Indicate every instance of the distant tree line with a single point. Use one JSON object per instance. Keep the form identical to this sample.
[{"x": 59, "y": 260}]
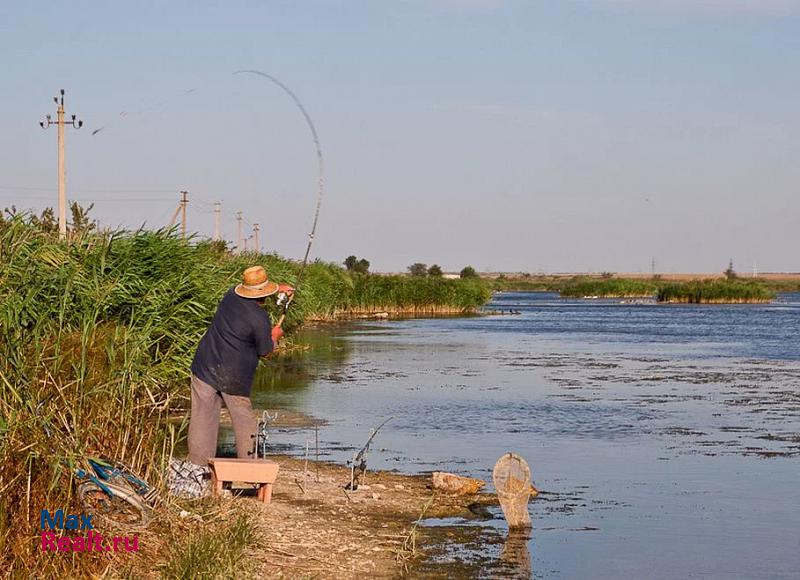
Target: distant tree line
[
  {"x": 354, "y": 264},
  {"x": 421, "y": 270},
  {"x": 418, "y": 269}
]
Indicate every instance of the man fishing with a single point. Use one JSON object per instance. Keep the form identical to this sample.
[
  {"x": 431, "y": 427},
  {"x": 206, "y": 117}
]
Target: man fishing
[{"x": 225, "y": 364}]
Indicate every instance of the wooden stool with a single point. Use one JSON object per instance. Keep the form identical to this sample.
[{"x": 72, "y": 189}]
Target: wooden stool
[{"x": 261, "y": 471}]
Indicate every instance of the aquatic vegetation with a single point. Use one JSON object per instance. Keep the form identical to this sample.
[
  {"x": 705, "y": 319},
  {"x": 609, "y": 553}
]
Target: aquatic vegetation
[
  {"x": 609, "y": 288},
  {"x": 719, "y": 291},
  {"x": 575, "y": 286},
  {"x": 791, "y": 283},
  {"x": 711, "y": 290},
  {"x": 414, "y": 295}
]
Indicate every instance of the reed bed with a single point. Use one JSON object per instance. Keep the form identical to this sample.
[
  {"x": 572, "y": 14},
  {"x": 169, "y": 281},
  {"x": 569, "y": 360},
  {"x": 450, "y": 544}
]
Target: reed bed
[
  {"x": 718, "y": 291},
  {"x": 573, "y": 286},
  {"x": 96, "y": 338},
  {"x": 609, "y": 288},
  {"x": 413, "y": 295}
]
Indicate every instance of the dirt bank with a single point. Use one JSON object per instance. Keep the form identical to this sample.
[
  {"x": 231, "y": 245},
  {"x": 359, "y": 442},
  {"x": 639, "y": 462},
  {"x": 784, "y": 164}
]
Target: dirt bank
[{"x": 314, "y": 528}]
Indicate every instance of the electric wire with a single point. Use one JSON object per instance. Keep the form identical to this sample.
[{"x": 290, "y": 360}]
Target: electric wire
[{"x": 199, "y": 204}]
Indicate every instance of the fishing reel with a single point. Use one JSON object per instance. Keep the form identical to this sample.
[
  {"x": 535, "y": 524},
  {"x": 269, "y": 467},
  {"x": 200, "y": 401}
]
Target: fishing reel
[
  {"x": 285, "y": 295},
  {"x": 262, "y": 435}
]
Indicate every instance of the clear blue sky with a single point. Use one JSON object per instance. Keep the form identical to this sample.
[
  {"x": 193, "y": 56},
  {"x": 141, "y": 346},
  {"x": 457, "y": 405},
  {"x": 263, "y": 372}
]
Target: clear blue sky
[{"x": 556, "y": 135}]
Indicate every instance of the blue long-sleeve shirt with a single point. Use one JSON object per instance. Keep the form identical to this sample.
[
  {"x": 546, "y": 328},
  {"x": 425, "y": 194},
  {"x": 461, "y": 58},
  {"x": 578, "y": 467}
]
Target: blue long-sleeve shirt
[{"x": 228, "y": 353}]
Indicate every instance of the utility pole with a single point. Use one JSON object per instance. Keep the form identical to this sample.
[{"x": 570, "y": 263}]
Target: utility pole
[
  {"x": 216, "y": 221},
  {"x": 62, "y": 177},
  {"x": 174, "y": 216},
  {"x": 255, "y": 235},
  {"x": 653, "y": 267},
  {"x": 184, "y": 203},
  {"x": 238, "y": 232}
]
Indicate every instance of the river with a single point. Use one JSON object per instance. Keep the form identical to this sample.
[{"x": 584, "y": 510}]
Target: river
[{"x": 665, "y": 438}]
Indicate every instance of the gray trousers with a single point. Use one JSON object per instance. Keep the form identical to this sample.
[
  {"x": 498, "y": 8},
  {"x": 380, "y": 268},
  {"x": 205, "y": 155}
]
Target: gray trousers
[{"x": 204, "y": 422}]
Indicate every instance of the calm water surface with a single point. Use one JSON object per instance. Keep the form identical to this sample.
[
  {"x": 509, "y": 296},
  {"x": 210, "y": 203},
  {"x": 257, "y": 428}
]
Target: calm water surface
[{"x": 666, "y": 439}]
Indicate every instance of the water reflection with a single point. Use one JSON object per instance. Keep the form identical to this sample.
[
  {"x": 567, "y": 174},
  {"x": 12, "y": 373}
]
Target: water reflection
[
  {"x": 318, "y": 351},
  {"x": 283, "y": 382},
  {"x": 516, "y": 557}
]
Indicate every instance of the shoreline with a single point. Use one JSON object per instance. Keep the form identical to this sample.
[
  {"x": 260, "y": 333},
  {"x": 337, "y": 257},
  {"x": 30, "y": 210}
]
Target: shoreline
[
  {"x": 391, "y": 312},
  {"x": 315, "y": 527}
]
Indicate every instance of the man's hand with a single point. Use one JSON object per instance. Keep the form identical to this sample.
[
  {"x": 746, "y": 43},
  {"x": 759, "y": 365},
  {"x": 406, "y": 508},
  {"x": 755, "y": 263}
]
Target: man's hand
[
  {"x": 277, "y": 334},
  {"x": 285, "y": 295}
]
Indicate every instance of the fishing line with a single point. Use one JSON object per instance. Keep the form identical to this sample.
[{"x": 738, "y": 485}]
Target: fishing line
[
  {"x": 320, "y": 180},
  {"x": 146, "y": 108}
]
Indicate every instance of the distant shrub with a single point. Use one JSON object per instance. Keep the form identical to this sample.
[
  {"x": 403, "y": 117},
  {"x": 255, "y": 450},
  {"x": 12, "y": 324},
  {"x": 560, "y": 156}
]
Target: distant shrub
[
  {"x": 418, "y": 269},
  {"x": 729, "y": 272},
  {"x": 354, "y": 264}
]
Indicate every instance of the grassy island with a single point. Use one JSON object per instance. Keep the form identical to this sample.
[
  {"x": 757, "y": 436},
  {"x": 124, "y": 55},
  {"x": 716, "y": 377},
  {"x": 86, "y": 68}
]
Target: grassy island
[
  {"x": 702, "y": 291},
  {"x": 719, "y": 291},
  {"x": 609, "y": 288}
]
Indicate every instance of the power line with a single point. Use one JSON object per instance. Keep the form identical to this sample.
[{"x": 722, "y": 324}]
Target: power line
[
  {"x": 84, "y": 199},
  {"x": 198, "y": 204},
  {"x": 217, "y": 211},
  {"x": 88, "y": 190}
]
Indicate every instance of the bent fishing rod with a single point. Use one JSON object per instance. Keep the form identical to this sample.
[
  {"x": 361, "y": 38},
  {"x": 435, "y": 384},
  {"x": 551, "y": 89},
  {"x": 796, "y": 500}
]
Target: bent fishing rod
[{"x": 286, "y": 302}]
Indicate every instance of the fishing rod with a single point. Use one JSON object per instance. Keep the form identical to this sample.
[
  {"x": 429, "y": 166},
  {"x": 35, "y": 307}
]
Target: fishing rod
[
  {"x": 359, "y": 461},
  {"x": 286, "y": 301}
]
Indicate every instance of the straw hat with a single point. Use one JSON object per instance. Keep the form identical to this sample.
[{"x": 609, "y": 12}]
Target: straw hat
[{"x": 255, "y": 284}]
